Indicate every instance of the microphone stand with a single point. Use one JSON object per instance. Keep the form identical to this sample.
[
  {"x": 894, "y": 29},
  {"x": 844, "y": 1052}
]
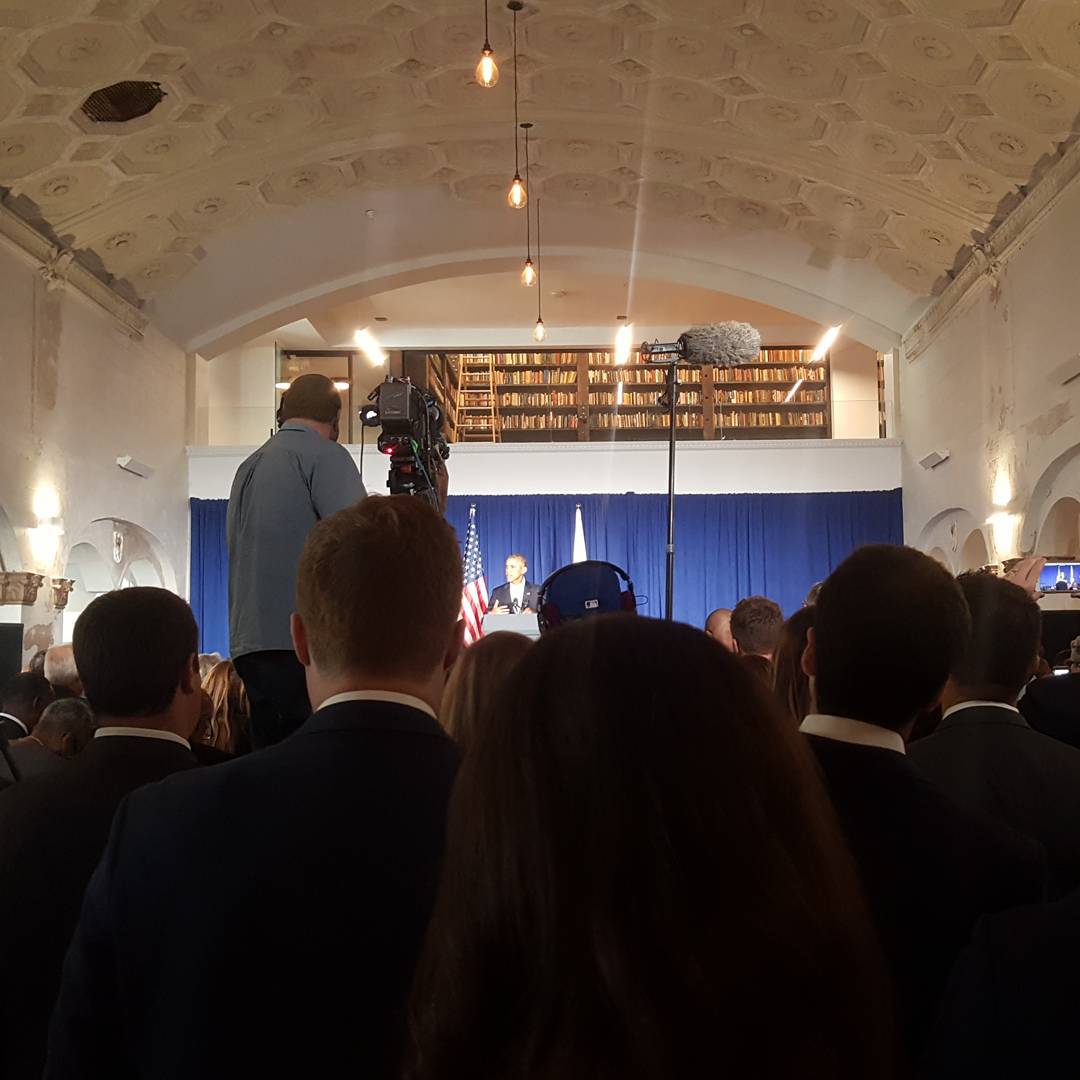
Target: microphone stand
[{"x": 670, "y": 399}]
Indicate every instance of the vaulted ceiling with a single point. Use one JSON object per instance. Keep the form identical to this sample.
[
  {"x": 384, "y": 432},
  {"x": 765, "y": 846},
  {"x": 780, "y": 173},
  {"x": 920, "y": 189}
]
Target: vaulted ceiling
[{"x": 863, "y": 140}]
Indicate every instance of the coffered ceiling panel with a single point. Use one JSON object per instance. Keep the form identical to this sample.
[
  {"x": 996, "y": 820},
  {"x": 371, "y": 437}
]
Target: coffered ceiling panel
[{"x": 880, "y": 132}]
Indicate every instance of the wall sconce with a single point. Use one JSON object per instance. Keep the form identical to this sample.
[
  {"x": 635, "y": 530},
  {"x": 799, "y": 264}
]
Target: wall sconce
[
  {"x": 61, "y": 591},
  {"x": 45, "y": 538}
]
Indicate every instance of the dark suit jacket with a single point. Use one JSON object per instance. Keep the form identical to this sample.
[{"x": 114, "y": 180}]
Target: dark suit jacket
[
  {"x": 10, "y": 730},
  {"x": 32, "y": 759},
  {"x": 53, "y": 830},
  {"x": 1052, "y": 706},
  {"x": 991, "y": 761},
  {"x": 501, "y": 595},
  {"x": 1014, "y": 998},
  {"x": 264, "y": 917},
  {"x": 930, "y": 869}
]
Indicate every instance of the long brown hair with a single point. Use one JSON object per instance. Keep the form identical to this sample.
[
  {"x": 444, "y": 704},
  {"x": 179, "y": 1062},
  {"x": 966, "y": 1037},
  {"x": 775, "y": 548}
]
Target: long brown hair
[
  {"x": 644, "y": 878},
  {"x": 476, "y": 678},
  {"x": 230, "y": 714},
  {"x": 791, "y": 683}
]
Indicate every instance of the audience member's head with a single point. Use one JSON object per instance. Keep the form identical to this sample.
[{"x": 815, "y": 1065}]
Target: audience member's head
[
  {"x": 62, "y": 671},
  {"x": 313, "y": 400},
  {"x": 137, "y": 651},
  {"x": 812, "y": 594},
  {"x": 889, "y": 624},
  {"x": 65, "y": 727},
  {"x": 718, "y": 627},
  {"x": 229, "y": 708},
  {"x": 393, "y": 555},
  {"x": 761, "y": 667},
  {"x": 1002, "y": 650},
  {"x": 755, "y": 625},
  {"x": 37, "y": 662},
  {"x": 25, "y": 696},
  {"x": 207, "y": 662},
  {"x": 790, "y": 681},
  {"x": 473, "y": 683},
  {"x": 642, "y": 873}
]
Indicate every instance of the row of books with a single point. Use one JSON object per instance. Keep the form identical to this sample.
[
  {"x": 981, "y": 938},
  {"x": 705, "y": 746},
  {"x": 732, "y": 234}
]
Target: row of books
[
  {"x": 650, "y": 377},
  {"x": 630, "y": 397},
  {"x": 538, "y": 377},
  {"x": 539, "y": 401},
  {"x": 774, "y": 419},
  {"x": 770, "y": 374},
  {"x": 643, "y": 420},
  {"x": 516, "y": 359},
  {"x": 766, "y": 397},
  {"x": 553, "y": 422}
]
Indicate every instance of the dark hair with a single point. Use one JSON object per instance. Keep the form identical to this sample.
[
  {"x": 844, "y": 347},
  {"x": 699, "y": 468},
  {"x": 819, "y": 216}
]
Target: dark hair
[
  {"x": 384, "y": 554},
  {"x": 813, "y": 593},
  {"x": 790, "y": 682},
  {"x": 25, "y": 695},
  {"x": 132, "y": 648},
  {"x": 755, "y": 624},
  {"x": 642, "y": 873},
  {"x": 69, "y": 716},
  {"x": 310, "y": 397},
  {"x": 1006, "y": 628},
  {"x": 888, "y": 626}
]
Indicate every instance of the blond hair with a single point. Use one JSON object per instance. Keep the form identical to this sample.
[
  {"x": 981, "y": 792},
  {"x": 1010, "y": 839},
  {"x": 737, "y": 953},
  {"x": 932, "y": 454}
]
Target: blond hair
[
  {"x": 476, "y": 680},
  {"x": 230, "y": 710},
  {"x": 379, "y": 588}
]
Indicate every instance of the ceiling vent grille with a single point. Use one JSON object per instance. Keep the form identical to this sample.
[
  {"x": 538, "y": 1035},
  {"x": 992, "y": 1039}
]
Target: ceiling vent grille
[{"x": 123, "y": 101}]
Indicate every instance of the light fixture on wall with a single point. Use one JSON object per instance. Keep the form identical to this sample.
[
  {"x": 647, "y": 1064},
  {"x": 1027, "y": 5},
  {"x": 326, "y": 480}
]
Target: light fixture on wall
[
  {"x": 45, "y": 537},
  {"x": 528, "y": 273},
  {"x": 282, "y": 385},
  {"x": 539, "y": 330},
  {"x": 518, "y": 195},
  {"x": 368, "y": 345},
  {"x": 624, "y": 341},
  {"x": 487, "y": 71}
]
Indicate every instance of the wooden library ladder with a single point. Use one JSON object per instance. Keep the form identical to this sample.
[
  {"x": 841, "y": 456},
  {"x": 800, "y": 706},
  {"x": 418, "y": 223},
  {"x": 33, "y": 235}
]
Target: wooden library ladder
[{"x": 477, "y": 416}]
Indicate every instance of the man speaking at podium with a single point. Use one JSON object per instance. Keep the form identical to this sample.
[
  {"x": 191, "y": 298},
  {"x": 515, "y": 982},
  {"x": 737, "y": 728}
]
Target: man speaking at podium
[{"x": 517, "y": 596}]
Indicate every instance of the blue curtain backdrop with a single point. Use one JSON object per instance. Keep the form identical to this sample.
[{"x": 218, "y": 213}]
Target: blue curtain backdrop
[
  {"x": 210, "y": 574},
  {"x": 727, "y": 546}
]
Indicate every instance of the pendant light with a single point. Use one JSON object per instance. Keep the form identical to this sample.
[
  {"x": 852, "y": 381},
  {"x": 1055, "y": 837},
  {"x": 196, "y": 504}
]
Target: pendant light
[
  {"x": 528, "y": 274},
  {"x": 539, "y": 330},
  {"x": 518, "y": 195},
  {"x": 487, "y": 71}
]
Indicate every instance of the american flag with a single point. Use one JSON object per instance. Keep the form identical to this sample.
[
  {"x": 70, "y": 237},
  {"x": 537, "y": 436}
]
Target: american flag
[{"x": 474, "y": 596}]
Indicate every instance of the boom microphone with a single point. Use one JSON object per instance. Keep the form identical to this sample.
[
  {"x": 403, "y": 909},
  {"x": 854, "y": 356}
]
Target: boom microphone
[{"x": 723, "y": 344}]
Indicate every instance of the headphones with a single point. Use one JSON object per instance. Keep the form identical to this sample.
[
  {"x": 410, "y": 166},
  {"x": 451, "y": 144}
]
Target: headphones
[{"x": 583, "y": 589}]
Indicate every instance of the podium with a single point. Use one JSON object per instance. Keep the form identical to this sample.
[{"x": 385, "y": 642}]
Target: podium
[{"x": 515, "y": 624}]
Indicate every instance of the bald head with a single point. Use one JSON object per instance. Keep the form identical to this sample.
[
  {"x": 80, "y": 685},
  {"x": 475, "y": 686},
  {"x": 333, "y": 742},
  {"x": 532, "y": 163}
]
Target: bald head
[
  {"x": 718, "y": 626},
  {"x": 61, "y": 671}
]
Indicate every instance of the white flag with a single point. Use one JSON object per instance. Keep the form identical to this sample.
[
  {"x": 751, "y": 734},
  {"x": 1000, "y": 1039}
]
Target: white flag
[{"x": 580, "y": 554}]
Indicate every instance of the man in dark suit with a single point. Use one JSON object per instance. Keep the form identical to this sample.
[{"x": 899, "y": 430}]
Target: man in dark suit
[
  {"x": 137, "y": 652},
  {"x": 64, "y": 730},
  {"x": 889, "y": 624},
  {"x": 1052, "y": 707},
  {"x": 264, "y": 917},
  {"x": 22, "y": 701},
  {"x": 518, "y": 596},
  {"x": 984, "y": 753}
]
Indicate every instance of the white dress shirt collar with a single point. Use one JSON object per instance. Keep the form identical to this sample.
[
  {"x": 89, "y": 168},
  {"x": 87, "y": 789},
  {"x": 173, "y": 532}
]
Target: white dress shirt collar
[
  {"x": 8, "y": 716},
  {"x": 380, "y": 695},
  {"x": 844, "y": 729},
  {"x": 979, "y": 705},
  {"x": 142, "y": 733}
]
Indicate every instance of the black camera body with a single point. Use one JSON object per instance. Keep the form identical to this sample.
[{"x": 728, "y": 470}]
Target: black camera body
[{"x": 411, "y": 436}]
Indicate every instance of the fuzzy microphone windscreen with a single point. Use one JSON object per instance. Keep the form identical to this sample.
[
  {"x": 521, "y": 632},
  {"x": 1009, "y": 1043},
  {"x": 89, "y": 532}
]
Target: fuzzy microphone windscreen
[{"x": 724, "y": 344}]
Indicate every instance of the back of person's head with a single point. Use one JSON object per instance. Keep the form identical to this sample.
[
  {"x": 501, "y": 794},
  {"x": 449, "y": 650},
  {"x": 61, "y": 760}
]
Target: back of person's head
[
  {"x": 1003, "y": 647},
  {"x": 25, "y": 696},
  {"x": 642, "y": 873},
  {"x": 66, "y": 727},
  {"x": 761, "y": 667},
  {"x": 207, "y": 662},
  {"x": 812, "y": 594},
  {"x": 310, "y": 397},
  {"x": 790, "y": 682},
  {"x": 37, "y": 662},
  {"x": 718, "y": 626},
  {"x": 755, "y": 625},
  {"x": 889, "y": 624},
  {"x": 136, "y": 649},
  {"x": 379, "y": 589},
  {"x": 474, "y": 681},
  {"x": 229, "y": 707},
  {"x": 62, "y": 671}
]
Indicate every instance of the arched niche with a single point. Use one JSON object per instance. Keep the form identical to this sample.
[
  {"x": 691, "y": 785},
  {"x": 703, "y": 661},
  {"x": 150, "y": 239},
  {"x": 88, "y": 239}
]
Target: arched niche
[
  {"x": 141, "y": 572},
  {"x": 92, "y": 576},
  {"x": 974, "y": 552},
  {"x": 1059, "y": 480},
  {"x": 946, "y": 532},
  {"x": 1059, "y": 533},
  {"x": 941, "y": 557},
  {"x": 9, "y": 545}
]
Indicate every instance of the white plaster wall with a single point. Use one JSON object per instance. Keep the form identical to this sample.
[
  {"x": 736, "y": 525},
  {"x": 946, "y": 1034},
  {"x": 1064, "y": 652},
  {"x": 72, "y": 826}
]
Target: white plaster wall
[
  {"x": 78, "y": 392},
  {"x": 989, "y": 389},
  {"x": 241, "y": 399},
  {"x": 854, "y": 391},
  {"x": 599, "y": 468}
]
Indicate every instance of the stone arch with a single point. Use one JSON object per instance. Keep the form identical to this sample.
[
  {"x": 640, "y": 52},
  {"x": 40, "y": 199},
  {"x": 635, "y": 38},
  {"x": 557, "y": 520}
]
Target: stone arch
[
  {"x": 10, "y": 559},
  {"x": 86, "y": 566},
  {"x": 974, "y": 552},
  {"x": 1059, "y": 533},
  {"x": 939, "y": 554},
  {"x": 1060, "y": 479},
  {"x": 946, "y": 531}
]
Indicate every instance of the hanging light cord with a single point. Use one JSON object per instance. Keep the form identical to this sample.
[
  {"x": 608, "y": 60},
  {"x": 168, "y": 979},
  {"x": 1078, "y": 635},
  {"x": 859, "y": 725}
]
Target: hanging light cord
[
  {"x": 539, "y": 293},
  {"x": 487, "y": 36},
  {"x": 516, "y": 158},
  {"x": 528, "y": 217}
]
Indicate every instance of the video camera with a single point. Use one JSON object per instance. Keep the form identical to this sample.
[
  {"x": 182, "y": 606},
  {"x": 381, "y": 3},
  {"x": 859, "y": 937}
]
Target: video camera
[{"x": 411, "y": 435}]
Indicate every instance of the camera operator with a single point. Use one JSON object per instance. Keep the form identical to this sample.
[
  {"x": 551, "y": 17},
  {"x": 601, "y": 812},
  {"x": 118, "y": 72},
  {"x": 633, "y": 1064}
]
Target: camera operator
[{"x": 296, "y": 478}]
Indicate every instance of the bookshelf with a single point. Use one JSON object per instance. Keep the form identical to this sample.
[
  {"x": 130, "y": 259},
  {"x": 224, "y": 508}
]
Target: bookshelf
[{"x": 552, "y": 395}]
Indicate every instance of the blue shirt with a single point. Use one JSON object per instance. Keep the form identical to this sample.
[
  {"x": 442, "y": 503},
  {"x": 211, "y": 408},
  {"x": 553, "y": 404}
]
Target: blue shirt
[{"x": 293, "y": 480}]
